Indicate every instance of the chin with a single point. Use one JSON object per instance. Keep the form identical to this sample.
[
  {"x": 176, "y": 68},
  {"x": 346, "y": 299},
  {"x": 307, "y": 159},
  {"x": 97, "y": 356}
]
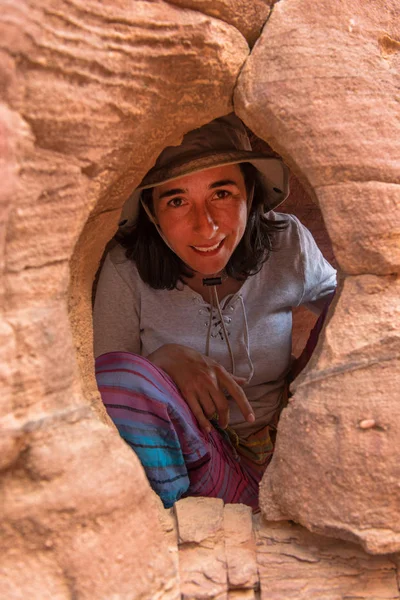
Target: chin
[
  {"x": 212, "y": 270},
  {"x": 207, "y": 266},
  {"x": 208, "y": 273}
]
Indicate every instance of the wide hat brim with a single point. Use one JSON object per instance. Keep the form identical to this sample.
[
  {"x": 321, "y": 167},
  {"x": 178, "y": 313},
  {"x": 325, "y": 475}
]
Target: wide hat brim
[{"x": 273, "y": 173}]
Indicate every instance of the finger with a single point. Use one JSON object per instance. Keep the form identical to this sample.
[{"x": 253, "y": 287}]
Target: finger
[
  {"x": 239, "y": 380},
  {"x": 226, "y": 381},
  {"x": 201, "y": 390},
  {"x": 207, "y": 404},
  {"x": 222, "y": 407},
  {"x": 195, "y": 406}
]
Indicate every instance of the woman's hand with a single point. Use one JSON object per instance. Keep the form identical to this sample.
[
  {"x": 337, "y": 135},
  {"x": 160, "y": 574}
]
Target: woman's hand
[{"x": 201, "y": 381}]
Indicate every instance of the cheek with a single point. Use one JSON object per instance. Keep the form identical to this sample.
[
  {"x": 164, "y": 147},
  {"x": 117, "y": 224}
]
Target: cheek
[
  {"x": 173, "y": 229},
  {"x": 165, "y": 222},
  {"x": 239, "y": 220}
]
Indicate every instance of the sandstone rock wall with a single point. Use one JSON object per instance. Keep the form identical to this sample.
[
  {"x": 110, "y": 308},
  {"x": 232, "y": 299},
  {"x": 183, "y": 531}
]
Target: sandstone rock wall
[
  {"x": 328, "y": 103},
  {"x": 90, "y": 93},
  {"x": 84, "y": 86}
]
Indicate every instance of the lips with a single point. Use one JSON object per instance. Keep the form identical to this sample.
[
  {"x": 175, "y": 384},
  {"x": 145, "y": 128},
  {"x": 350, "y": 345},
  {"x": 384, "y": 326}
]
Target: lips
[{"x": 209, "y": 250}]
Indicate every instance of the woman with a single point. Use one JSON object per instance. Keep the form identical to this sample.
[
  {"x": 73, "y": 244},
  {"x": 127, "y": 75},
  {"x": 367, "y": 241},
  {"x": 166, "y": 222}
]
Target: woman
[{"x": 192, "y": 317}]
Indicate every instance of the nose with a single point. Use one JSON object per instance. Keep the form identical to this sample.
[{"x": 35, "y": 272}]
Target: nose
[{"x": 204, "y": 222}]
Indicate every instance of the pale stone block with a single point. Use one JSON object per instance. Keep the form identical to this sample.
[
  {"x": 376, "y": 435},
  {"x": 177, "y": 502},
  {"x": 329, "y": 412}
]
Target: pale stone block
[
  {"x": 170, "y": 529},
  {"x": 202, "y": 562},
  {"x": 242, "y": 595},
  {"x": 240, "y": 546},
  {"x": 199, "y": 519}
]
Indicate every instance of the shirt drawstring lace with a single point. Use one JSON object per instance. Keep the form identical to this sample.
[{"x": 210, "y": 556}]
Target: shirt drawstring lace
[
  {"x": 247, "y": 339},
  {"x": 214, "y": 297},
  {"x": 215, "y": 301}
]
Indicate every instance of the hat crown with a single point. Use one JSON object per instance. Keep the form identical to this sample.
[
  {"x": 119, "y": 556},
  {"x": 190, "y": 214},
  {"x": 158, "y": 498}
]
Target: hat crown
[{"x": 225, "y": 134}]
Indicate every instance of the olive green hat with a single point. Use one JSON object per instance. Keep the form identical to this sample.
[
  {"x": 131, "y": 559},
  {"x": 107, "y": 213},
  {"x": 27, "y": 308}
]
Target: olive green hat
[{"x": 223, "y": 141}]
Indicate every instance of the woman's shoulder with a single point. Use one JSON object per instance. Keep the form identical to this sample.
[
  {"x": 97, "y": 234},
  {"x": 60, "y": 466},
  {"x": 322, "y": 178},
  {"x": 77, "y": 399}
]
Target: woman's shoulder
[
  {"x": 290, "y": 234},
  {"x": 291, "y": 220},
  {"x": 116, "y": 254},
  {"x": 116, "y": 260}
]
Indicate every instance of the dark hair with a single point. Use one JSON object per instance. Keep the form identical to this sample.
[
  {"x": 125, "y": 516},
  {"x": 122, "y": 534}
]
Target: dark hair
[{"x": 161, "y": 268}]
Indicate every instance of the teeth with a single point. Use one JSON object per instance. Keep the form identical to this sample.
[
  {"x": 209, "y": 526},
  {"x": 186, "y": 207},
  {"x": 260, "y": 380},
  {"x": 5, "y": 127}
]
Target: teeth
[{"x": 209, "y": 249}]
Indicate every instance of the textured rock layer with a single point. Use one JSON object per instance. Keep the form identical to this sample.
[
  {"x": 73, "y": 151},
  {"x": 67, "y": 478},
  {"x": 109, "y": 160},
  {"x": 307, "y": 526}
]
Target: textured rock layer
[
  {"x": 91, "y": 92},
  {"x": 328, "y": 102},
  {"x": 247, "y": 17},
  {"x": 226, "y": 553}
]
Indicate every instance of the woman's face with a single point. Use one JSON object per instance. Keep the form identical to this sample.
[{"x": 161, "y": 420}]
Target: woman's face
[{"x": 203, "y": 216}]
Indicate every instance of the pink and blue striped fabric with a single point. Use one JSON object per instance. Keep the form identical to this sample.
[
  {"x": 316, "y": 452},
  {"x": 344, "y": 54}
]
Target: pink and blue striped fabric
[{"x": 154, "y": 419}]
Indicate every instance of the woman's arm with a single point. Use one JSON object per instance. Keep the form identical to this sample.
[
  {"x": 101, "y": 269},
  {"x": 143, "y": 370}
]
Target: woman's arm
[
  {"x": 116, "y": 324},
  {"x": 317, "y": 306},
  {"x": 319, "y": 277}
]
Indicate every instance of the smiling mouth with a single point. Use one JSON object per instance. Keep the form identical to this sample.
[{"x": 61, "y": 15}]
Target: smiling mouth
[{"x": 208, "y": 249}]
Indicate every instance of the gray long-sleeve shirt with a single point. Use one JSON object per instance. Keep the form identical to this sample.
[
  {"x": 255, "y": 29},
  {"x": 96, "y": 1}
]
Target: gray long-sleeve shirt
[{"x": 131, "y": 316}]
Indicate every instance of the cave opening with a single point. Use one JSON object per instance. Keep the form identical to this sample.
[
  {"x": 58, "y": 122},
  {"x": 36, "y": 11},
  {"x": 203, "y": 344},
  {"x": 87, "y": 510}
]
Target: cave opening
[{"x": 299, "y": 203}]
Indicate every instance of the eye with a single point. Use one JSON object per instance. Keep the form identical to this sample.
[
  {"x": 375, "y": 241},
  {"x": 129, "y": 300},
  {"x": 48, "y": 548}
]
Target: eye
[
  {"x": 222, "y": 194},
  {"x": 175, "y": 202}
]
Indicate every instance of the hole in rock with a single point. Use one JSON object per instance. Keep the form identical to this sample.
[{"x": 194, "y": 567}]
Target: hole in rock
[{"x": 105, "y": 222}]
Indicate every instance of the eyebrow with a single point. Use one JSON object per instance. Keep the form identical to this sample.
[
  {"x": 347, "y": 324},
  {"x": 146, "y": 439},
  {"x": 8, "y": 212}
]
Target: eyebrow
[
  {"x": 216, "y": 184},
  {"x": 222, "y": 182},
  {"x": 173, "y": 192}
]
